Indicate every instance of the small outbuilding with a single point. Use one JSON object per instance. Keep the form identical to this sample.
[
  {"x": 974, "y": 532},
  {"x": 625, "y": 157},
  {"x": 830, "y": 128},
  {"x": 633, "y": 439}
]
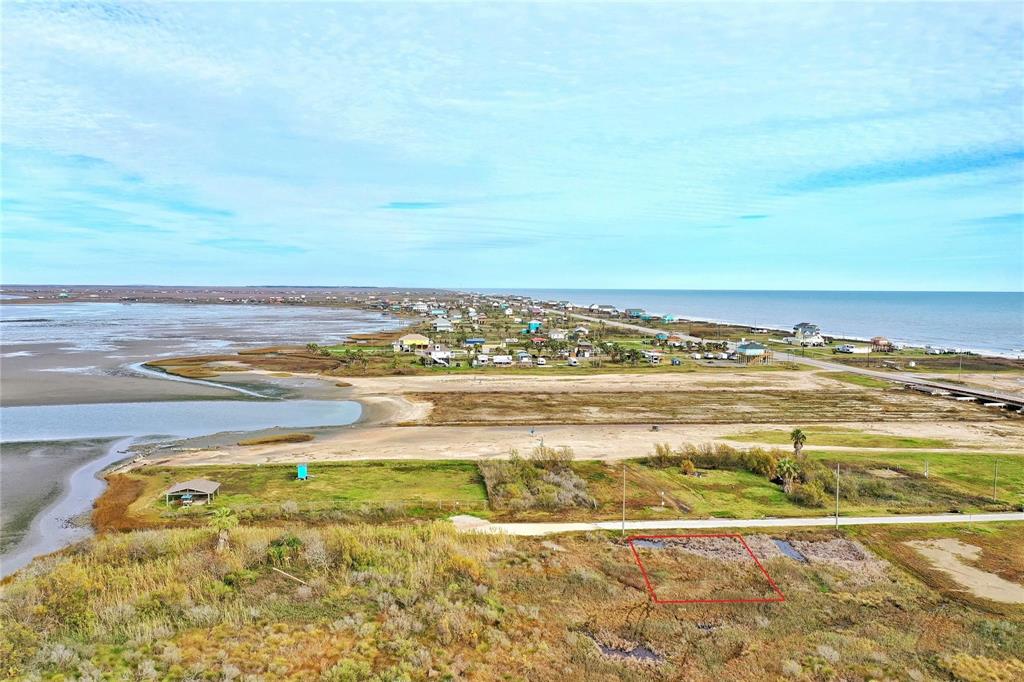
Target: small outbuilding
[{"x": 197, "y": 490}]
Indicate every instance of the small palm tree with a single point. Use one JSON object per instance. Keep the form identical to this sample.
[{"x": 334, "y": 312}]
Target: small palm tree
[
  {"x": 788, "y": 470},
  {"x": 222, "y": 521},
  {"x": 799, "y": 438}
]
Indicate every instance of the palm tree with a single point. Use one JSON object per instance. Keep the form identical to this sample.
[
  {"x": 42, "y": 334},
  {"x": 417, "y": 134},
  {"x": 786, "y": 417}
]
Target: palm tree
[
  {"x": 788, "y": 470},
  {"x": 799, "y": 438},
  {"x": 222, "y": 521}
]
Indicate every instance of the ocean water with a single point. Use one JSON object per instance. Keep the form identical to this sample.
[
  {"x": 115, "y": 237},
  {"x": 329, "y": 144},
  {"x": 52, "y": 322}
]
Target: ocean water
[{"x": 988, "y": 322}]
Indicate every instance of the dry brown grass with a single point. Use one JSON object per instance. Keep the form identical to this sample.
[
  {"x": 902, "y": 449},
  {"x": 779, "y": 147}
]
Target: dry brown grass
[
  {"x": 1002, "y": 553},
  {"x": 278, "y": 438},
  {"x": 694, "y": 407},
  {"x": 292, "y": 360},
  {"x": 110, "y": 512}
]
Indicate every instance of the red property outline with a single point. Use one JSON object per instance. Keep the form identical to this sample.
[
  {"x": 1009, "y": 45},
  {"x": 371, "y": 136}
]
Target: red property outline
[{"x": 654, "y": 595}]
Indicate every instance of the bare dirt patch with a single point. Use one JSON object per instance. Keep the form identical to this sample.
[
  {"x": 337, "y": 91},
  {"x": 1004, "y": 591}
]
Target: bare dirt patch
[
  {"x": 886, "y": 473},
  {"x": 954, "y": 558}
]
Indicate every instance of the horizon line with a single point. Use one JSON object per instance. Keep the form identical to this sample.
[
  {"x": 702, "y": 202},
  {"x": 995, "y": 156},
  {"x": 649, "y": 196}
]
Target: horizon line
[{"x": 479, "y": 289}]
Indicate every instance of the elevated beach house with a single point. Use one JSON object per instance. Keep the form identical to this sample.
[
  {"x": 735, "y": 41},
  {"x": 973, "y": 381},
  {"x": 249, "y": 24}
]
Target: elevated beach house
[
  {"x": 806, "y": 334},
  {"x": 754, "y": 353},
  {"x": 410, "y": 343},
  {"x": 198, "y": 490}
]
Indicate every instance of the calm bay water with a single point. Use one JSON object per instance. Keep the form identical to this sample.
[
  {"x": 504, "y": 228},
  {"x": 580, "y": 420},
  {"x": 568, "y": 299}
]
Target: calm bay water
[
  {"x": 173, "y": 418},
  {"x": 61, "y": 355},
  {"x": 180, "y": 328},
  {"x": 991, "y": 322}
]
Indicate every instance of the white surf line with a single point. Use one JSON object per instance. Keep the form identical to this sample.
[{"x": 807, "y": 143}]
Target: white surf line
[
  {"x": 140, "y": 368},
  {"x": 472, "y": 524}
]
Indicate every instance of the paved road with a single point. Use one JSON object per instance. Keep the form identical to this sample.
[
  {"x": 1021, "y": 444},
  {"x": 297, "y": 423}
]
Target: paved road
[
  {"x": 902, "y": 377},
  {"x": 472, "y": 524}
]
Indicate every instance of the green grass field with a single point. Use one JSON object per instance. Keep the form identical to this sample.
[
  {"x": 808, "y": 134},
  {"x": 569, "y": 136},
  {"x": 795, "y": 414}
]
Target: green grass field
[
  {"x": 857, "y": 379},
  {"x": 971, "y": 472},
  {"x": 341, "y": 485},
  {"x": 844, "y": 437},
  {"x": 440, "y": 488}
]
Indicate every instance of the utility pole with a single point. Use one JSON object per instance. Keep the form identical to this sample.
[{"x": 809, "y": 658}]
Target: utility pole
[
  {"x": 995, "y": 473},
  {"x": 837, "y": 494},
  {"x": 623, "y": 499}
]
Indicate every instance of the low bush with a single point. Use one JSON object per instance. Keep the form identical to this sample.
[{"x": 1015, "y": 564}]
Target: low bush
[
  {"x": 545, "y": 481},
  {"x": 552, "y": 459},
  {"x": 808, "y": 494}
]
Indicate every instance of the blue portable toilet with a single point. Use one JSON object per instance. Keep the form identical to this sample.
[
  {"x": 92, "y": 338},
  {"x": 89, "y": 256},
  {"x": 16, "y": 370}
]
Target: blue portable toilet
[{"x": 303, "y": 472}]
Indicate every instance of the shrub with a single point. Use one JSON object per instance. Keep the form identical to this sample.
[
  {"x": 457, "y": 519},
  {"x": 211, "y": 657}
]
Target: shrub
[
  {"x": 664, "y": 456},
  {"x": 688, "y": 467},
  {"x": 517, "y": 484},
  {"x": 552, "y": 459},
  {"x": 761, "y": 462},
  {"x": 807, "y": 494}
]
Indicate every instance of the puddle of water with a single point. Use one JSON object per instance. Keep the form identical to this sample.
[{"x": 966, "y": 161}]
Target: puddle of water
[
  {"x": 640, "y": 653},
  {"x": 789, "y": 550}
]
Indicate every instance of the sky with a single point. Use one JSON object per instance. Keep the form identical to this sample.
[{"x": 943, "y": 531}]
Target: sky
[{"x": 874, "y": 146}]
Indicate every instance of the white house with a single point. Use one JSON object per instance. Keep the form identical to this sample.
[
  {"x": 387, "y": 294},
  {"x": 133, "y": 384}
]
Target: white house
[
  {"x": 440, "y": 353},
  {"x": 805, "y": 334}
]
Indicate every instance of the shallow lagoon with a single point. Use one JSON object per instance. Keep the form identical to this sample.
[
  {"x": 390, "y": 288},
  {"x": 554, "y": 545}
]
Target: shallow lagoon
[{"x": 171, "y": 418}]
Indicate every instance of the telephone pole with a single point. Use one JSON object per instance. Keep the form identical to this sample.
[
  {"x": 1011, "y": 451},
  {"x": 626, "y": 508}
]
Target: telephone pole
[
  {"x": 837, "y": 495},
  {"x": 623, "y": 498},
  {"x": 995, "y": 473}
]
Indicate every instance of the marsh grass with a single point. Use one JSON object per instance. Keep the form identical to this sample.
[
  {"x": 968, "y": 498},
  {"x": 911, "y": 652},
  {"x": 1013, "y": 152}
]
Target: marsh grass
[
  {"x": 421, "y": 602},
  {"x": 694, "y": 407}
]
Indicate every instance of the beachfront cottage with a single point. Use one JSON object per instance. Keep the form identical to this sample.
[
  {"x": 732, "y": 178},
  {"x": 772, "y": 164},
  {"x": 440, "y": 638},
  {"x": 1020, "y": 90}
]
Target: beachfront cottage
[
  {"x": 410, "y": 343},
  {"x": 196, "y": 491},
  {"x": 754, "y": 353},
  {"x": 806, "y": 334}
]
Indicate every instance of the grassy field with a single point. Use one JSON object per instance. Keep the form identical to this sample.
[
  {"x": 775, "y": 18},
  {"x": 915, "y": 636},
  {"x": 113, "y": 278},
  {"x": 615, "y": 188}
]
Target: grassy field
[
  {"x": 857, "y": 379},
  {"x": 922, "y": 361},
  {"x": 420, "y": 602},
  {"x": 695, "y": 407},
  {"x": 970, "y": 472},
  {"x": 844, "y": 437},
  {"x": 416, "y": 489},
  {"x": 421, "y": 487}
]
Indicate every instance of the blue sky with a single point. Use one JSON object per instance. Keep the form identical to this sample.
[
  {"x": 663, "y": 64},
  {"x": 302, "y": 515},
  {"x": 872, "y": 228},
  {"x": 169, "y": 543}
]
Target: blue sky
[{"x": 725, "y": 145}]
